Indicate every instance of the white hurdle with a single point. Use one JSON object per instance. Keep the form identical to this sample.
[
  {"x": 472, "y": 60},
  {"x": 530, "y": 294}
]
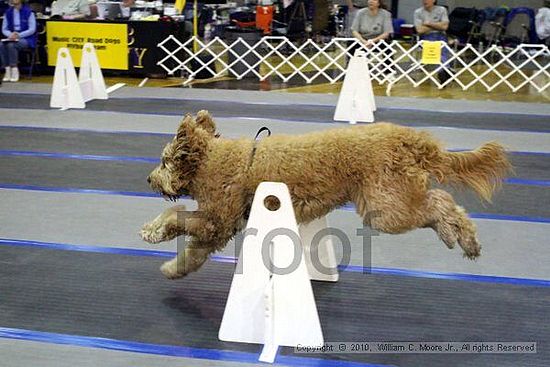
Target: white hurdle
[
  {"x": 267, "y": 305},
  {"x": 356, "y": 101},
  {"x": 326, "y": 268},
  {"x": 70, "y": 92}
]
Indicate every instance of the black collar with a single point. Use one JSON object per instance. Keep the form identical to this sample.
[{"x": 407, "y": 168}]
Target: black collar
[{"x": 256, "y": 140}]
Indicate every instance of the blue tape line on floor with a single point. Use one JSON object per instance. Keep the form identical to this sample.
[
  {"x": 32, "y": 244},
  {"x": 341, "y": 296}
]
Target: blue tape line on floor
[
  {"x": 79, "y": 191},
  {"x": 512, "y": 218},
  {"x": 156, "y": 160},
  {"x": 524, "y": 182},
  {"x": 326, "y": 105},
  {"x": 86, "y": 157},
  {"x": 315, "y": 121},
  {"x": 167, "y": 350},
  {"x": 348, "y": 207},
  {"x": 232, "y": 260},
  {"x": 126, "y": 132},
  {"x": 98, "y": 131},
  {"x": 447, "y": 276},
  {"x": 87, "y": 248},
  {"x": 19, "y": 153}
]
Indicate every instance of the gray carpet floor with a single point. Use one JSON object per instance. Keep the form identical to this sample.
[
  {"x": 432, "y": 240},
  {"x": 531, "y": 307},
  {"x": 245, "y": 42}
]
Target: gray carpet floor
[
  {"x": 131, "y": 176},
  {"x": 125, "y": 297},
  {"x": 116, "y": 297},
  {"x": 526, "y": 166},
  {"x": 312, "y": 113}
]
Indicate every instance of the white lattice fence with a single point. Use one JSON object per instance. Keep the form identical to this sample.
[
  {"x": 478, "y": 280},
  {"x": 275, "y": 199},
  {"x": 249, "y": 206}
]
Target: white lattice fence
[{"x": 389, "y": 62}]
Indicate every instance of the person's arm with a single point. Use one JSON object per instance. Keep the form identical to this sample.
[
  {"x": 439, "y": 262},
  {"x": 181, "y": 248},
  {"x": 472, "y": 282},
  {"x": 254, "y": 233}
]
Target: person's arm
[
  {"x": 372, "y": 41},
  {"x": 83, "y": 11},
  {"x": 84, "y": 8},
  {"x": 32, "y": 27},
  {"x": 419, "y": 23},
  {"x": 5, "y": 31},
  {"x": 542, "y": 23},
  {"x": 387, "y": 29},
  {"x": 443, "y": 25},
  {"x": 74, "y": 16},
  {"x": 381, "y": 37},
  {"x": 359, "y": 37},
  {"x": 355, "y": 28},
  {"x": 422, "y": 29},
  {"x": 439, "y": 26}
]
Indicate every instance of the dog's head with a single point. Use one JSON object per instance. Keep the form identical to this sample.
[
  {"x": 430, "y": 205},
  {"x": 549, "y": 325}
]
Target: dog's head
[{"x": 183, "y": 156}]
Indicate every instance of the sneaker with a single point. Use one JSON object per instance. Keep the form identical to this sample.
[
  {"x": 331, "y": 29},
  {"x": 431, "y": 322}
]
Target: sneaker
[
  {"x": 14, "y": 75},
  {"x": 7, "y": 74}
]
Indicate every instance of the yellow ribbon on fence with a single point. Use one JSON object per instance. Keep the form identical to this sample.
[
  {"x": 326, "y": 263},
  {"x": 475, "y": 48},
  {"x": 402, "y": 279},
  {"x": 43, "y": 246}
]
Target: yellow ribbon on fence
[{"x": 431, "y": 52}]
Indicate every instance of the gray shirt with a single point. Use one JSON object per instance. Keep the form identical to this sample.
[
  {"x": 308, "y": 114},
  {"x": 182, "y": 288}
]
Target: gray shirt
[
  {"x": 371, "y": 26},
  {"x": 438, "y": 14},
  {"x": 71, "y": 7}
]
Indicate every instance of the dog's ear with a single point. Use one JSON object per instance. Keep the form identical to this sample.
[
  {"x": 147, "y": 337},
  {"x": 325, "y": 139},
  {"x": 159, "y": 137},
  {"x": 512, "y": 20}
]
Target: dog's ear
[
  {"x": 184, "y": 126},
  {"x": 204, "y": 120},
  {"x": 191, "y": 143}
]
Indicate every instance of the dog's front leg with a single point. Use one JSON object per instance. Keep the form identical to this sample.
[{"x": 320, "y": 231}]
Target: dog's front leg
[
  {"x": 168, "y": 225},
  {"x": 188, "y": 260},
  {"x": 206, "y": 238}
]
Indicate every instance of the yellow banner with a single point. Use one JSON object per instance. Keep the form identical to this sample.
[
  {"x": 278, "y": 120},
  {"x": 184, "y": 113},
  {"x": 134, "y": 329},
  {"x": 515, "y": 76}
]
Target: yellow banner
[
  {"x": 431, "y": 52},
  {"x": 110, "y": 42}
]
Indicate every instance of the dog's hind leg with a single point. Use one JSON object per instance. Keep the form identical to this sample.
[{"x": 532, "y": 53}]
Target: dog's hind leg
[
  {"x": 451, "y": 223},
  {"x": 395, "y": 204},
  {"x": 402, "y": 204}
]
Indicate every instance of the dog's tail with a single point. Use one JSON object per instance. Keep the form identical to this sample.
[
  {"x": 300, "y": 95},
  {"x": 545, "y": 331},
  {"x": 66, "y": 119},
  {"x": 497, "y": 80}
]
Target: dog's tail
[{"x": 482, "y": 169}]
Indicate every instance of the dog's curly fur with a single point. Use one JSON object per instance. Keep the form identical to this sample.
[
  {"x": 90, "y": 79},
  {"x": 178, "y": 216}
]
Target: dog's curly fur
[{"x": 382, "y": 168}]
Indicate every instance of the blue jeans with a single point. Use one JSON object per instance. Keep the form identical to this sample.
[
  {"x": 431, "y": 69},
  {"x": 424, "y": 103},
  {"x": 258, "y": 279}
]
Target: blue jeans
[
  {"x": 436, "y": 36},
  {"x": 9, "y": 52}
]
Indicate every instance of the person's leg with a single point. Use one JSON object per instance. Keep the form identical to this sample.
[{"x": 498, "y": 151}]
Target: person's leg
[
  {"x": 13, "y": 55},
  {"x": 4, "y": 62},
  {"x": 3, "y": 55},
  {"x": 12, "y": 73},
  {"x": 443, "y": 71},
  {"x": 438, "y": 37},
  {"x": 444, "y": 50},
  {"x": 386, "y": 57}
]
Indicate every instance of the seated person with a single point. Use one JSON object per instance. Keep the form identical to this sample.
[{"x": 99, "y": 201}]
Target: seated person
[
  {"x": 126, "y": 6},
  {"x": 542, "y": 23},
  {"x": 431, "y": 22},
  {"x": 19, "y": 29},
  {"x": 71, "y": 9},
  {"x": 372, "y": 24},
  {"x": 94, "y": 12}
]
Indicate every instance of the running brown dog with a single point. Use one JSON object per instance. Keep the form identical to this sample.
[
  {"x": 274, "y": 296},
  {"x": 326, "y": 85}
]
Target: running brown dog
[{"x": 382, "y": 168}]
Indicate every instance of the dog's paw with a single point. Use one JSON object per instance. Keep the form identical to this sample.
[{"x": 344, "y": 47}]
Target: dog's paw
[
  {"x": 170, "y": 270},
  {"x": 472, "y": 248},
  {"x": 153, "y": 232}
]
